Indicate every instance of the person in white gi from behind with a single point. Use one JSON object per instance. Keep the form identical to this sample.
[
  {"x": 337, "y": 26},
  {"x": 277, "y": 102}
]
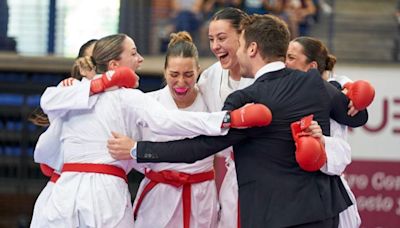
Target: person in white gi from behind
[{"x": 46, "y": 141}]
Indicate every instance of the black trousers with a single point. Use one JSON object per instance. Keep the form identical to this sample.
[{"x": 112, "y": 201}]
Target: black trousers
[{"x": 328, "y": 223}]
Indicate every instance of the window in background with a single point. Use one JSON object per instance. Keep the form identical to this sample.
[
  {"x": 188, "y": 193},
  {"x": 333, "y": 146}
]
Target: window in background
[
  {"x": 81, "y": 20},
  {"x": 76, "y": 22},
  {"x": 27, "y": 23}
]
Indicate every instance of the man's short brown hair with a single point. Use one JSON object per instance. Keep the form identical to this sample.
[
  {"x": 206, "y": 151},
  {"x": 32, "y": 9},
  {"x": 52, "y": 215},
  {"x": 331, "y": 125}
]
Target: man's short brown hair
[{"x": 269, "y": 32}]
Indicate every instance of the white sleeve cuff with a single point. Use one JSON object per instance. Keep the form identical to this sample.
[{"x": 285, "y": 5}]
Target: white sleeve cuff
[
  {"x": 134, "y": 151},
  {"x": 338, "y": 156}
]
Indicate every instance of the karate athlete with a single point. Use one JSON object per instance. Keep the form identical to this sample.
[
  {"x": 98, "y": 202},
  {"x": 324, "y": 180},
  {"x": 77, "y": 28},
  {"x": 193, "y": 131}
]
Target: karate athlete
[
  {"x": 178, "y": 195},
  {"x": 303, "y": 54},
  {"x": 215, "y": 84},
  {"x": 92, "y": 190},
  {"x": 51, "y": 165}
]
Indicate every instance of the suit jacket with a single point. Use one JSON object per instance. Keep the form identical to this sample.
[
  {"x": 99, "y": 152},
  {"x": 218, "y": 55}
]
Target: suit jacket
[{"x": 273, "y": 190}]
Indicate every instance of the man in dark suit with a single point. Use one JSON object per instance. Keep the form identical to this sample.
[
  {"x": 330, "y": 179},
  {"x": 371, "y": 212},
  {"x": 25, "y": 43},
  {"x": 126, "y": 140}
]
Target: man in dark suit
[{"x": 273, "y": 190}]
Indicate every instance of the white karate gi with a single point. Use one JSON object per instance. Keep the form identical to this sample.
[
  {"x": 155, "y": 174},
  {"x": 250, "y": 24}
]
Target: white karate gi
[
  {"x": 213, "y": 84},
  {"x": 47, "y": 151},
  {"x": 162, "y": 206},
  {"x": 338, "y": 157},
  {"x": 100, "y": 200},
  {"x": 47, "y": 142}
]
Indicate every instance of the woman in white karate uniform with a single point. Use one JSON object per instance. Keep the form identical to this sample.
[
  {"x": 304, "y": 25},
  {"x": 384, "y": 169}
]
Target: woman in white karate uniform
[
  {"x": 215, "y": 84},
  {"x": 46, "y": 142},
  {"x": 192, "y": 202},
  {"x": 92, "y": 190},
  {"x": 50, "y": 167},
  {"x": 303, "y": 54}
]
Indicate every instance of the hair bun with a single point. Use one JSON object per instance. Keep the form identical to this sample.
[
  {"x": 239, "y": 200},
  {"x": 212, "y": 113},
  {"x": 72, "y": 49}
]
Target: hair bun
[{"x": 180, "y": 37}]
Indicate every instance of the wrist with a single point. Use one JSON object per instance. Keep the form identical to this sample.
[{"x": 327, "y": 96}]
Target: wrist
[
  {"x": 96, "y": 86},
  {"x": 226, "y": 122},
  {"x": 322, "y": 141}
]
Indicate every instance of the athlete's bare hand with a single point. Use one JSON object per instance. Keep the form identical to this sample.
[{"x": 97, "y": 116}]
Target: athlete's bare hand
[
  {"x": 119, "y": 146},
  {"x": 315, "y": 131}
]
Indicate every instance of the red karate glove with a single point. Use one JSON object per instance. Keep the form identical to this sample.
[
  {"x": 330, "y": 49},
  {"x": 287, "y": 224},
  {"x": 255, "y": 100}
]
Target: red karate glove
[
  {"x": 361, "y": 93},
  {"x": 120, "y": 77},
  {"x": 310, "y": 153},
  {"x": 251, "y": 115}
]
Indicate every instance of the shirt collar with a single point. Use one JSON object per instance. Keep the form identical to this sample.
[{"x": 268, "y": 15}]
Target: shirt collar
[{"x": 270, "y": 67}]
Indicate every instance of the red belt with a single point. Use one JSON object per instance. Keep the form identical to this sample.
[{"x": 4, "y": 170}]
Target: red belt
[
  {"x": 54, "y": 177},
  {"x": 176, "y": 179},
  {"x": 95, "y": 168}
]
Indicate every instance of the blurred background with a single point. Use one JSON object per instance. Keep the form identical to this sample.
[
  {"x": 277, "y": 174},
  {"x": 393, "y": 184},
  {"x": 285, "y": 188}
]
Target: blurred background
[{"x": 39, "y": 40}]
